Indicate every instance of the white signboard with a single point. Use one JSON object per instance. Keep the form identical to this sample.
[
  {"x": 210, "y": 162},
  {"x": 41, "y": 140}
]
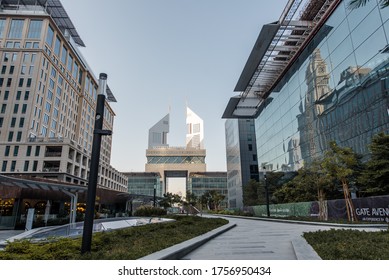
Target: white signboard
[{"x": 30, "y": 218}]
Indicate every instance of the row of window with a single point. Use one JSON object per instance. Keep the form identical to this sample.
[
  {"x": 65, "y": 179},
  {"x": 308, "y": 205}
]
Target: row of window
[
  {"x": 18, "y": 95},
  {"x": 20, "y": 84},
  {"x": 3, "y": 108},
  {"x": 13, "y": 165},
  {"x": 16, "y": 151},
  {"x": 16, "y": 28}
]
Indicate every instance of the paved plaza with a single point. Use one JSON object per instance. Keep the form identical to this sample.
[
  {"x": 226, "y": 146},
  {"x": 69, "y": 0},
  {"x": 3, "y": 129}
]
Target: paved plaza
[{"x": 245, "y": 239}]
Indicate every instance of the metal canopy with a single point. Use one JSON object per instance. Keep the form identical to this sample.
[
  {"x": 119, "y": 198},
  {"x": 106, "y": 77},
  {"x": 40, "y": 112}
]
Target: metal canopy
[
  {"x": 277, "y": 45},
  {"x": 39, "y": 185},
  {"x": 55, "y": 9}
]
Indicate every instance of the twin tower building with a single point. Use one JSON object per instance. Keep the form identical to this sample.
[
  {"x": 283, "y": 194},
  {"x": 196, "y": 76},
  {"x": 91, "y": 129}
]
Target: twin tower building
[{"x": 164, "y": 162}]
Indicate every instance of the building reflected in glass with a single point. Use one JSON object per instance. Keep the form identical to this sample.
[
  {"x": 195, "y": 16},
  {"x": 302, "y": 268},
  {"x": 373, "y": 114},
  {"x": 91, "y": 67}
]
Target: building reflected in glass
[{"x": 336, "y": 89}]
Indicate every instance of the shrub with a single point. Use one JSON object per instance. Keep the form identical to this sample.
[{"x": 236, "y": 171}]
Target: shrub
[
  {"x": 148, "y": 211},
  {"x": 347, "y": 244}
]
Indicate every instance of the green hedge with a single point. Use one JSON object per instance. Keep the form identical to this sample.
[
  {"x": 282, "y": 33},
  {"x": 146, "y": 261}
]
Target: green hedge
[
  {"x": 347, "y": 244},
  {"x": 148, "y": 211}
]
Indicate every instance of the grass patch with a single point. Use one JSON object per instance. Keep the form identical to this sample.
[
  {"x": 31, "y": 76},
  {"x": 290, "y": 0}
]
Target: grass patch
[
  {"x": 347, "y": 244},
  {"x": 124, "y": 244}
]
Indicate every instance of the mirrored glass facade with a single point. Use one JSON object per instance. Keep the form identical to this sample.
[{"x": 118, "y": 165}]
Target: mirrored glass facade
[
  {"x": 335, "y": 90},
  {"x": 241, "y": 153}
]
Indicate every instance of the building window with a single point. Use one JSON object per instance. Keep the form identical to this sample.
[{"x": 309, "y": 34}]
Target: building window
[
  {"x": 16, "y": 29},
  {"x": 3, "y": 108},
  {"x": 29, "y": 80},
  {"x": 48, "y": 107},
  {"x": 21, "y": 81},
  {"x": 16, "y": 108},
  {"x": 24, "y": 108},
  {"x": 19, "y": 136},
  {"x": 6, "y": 151},
  {"x": 70, "y": 63},
  {"x": 26, "y": 95},
  {"x": 10, "y": 136},
  {"x": 18, "y": 94},
  {"x": 13, "y": 122},
  {"x": 28, "y": 152},
  {"x": 26, "y": 164},
  {"x": 44, "y": 131},
  {"x": 11, "y": 69},
  {"x": 9, "y": 82},
  {"x": 13, "y": 165},
  {"x": 21, "y": 122},
  {"x": 6, "y": 94},
  {"x": 2, "y": 25},
  {"x": 64, "y": 55},
  {"x": 37, "y": 150},
  {"x": 34, "y": 30},
  {"x": 4, "y": 167},
  {"x": 57, "y": 46},
  {"x": 50, "y": 36},
  {"x": 1, "y": 121},
  {"x": 35, "y": 165},
  {"x": 16, "y": 151}
]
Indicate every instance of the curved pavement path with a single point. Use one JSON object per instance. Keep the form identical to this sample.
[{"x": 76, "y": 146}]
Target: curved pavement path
[{"x": 254, "y": 239}]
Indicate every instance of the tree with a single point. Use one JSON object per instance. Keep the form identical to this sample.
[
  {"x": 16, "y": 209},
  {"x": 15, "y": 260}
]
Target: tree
[
  {"x": 250, "y": 193},
  {"x": 309, "y": 184},
  {"x": 190, "y": 202},
  {"x": 191, "y": 198},
  {"x": 343, "y": 165},
  {"x": 375, "y": 176},
  {"x": 355, "y": 4},
  {"x": 212, "y": 199},
  {"x": 170, "y": 199}
]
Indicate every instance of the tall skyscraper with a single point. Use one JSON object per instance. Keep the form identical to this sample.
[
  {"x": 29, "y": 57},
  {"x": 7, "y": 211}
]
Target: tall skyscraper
[
  {"x": 176, "y": 162},
  {"x": 158, "y": 133},
  {"x": 195, "y": 130}
]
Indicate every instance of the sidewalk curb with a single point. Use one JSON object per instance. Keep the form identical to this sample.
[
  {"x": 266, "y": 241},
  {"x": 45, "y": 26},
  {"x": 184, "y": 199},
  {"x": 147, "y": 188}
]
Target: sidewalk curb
[
  {"x": 303, "y": 250},
  {"x": 180, "y": 250}
]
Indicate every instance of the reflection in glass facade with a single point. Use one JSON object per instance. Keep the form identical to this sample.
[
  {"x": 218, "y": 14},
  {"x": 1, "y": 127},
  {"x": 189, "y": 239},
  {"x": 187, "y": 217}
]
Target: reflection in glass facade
[
  {"x": 241, "y": 152},
  {"x": 201, "y": 182},
  {"x": 143, "y": 183},
  {"x": 335, "y": 90},
  {"x": 174, "y": 159}
]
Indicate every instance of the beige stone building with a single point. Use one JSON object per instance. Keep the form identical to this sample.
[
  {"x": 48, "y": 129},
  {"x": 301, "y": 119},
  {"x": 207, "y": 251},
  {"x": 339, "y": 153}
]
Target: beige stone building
[{"x": 48, "y": 97}]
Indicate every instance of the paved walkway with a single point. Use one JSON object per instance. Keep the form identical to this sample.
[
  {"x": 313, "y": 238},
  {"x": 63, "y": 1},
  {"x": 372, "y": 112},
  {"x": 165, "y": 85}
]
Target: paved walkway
[{"x": 260, "y": 240}]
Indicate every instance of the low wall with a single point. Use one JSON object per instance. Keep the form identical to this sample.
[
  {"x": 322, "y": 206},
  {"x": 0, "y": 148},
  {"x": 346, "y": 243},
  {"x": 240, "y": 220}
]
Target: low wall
[{"x": 369, "y": 209}]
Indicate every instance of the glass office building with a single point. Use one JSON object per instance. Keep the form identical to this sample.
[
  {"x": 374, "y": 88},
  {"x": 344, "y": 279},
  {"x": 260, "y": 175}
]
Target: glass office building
[
  {"x": 241, "y": 154},
  {"x": 201, "y": 182},
  {"x": 330, "y": 83}
]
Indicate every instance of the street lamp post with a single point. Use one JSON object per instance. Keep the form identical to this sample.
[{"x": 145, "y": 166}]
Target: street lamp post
[
  {"x": 266, "y": 192},
  {"x": 155, "y": 194},
  {"x": 94, "y": 165}
]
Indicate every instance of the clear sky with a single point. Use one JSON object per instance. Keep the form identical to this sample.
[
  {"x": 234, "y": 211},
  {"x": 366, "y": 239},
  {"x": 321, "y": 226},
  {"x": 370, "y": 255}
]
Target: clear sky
[{"x": 161, "y": 54}]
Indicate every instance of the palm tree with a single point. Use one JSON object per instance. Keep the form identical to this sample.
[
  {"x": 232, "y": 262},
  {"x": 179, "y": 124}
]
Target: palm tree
[{"x": 355, "y": 4}]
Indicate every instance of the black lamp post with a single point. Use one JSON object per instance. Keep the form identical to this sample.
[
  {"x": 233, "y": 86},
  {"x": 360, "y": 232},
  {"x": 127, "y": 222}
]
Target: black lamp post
[
  {"x": 266, "y": 192},
  {"x": 94, "y": 165},
  {"x": 155, "y": 194}
]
